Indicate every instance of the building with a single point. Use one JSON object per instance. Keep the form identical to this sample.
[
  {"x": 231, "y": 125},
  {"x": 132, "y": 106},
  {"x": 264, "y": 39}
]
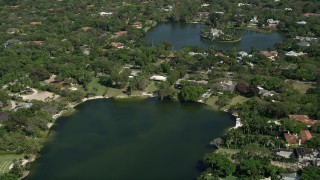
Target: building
[
  {"x": 86, "y": 28},
  {"x": 289, "y": 176},
  {"x": 158, "y": 78},
  {"x": 118, "y": 45},
  {"x": 307, "y": 155},
  {"x": 305, "y": 136},
  {"x": 119, "y": 34},
  {"x": 291, "y": 139},
  {"x": 36, "y": 23},
  {"x": 137, "y": 25},
  {"x": 270, "y": 54},
  {"x": 284, "y": 154},
  {"x": 311, "y": 15},
  {"x": 105, "y": 14},
  {"x": 273, "y": 23},
  {"x": 302, "y": 22},
  {"x": 295, "y": 54},
  {"x": 302, "y": 118}
]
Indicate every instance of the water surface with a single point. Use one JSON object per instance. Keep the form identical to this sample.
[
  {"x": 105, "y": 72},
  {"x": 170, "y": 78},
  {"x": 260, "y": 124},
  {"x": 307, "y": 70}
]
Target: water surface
[
  {"x": 130, "y": 139},
  {"x": 184, "y": 34}
]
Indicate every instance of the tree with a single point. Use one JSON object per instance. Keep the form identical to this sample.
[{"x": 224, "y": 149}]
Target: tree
[
  {"x": 252, "y": 168},
  {"x": 219, "y": 164},
  {"x": 310, "y": 173},
  {"x": 39, "y": 74},
  {"x": 191, "y": 93},
  {"x": 9, "y": 176},
  {"x": 166, "y": 91}
]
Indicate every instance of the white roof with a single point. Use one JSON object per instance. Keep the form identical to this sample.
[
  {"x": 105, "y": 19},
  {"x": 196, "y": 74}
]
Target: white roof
[{"x": 158, "y": 78}]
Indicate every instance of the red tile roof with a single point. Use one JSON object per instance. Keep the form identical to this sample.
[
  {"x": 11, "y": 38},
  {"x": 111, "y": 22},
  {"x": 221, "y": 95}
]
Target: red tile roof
[
  {"x": 310, "y": 14},
  {"x": 35, "y": 23},
  {"x": 291, "y": 138},
  {"x": 302, "y": 118},
  {"x": 305, "y": 136}
]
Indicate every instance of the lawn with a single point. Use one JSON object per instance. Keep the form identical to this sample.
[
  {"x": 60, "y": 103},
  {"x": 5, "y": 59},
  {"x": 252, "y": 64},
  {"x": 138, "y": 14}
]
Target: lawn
[
  {"x": 6, "y": 159},
  {"x": 302, "y": 87},
  {"x": 96, "y": 88},
  {"x": 211, "y": 101},
  {"x": 236, "y": 100}
]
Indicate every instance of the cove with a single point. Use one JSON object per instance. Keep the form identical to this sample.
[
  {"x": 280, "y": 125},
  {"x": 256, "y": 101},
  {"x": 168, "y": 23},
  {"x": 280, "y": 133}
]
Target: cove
[
  {"x": 180, "y": 35},
  {"x": 130, "y": 139}
]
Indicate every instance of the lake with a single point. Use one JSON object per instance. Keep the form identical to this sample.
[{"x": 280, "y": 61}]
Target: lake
[
  {"x": 130, "y": 139},
  {"x": 187, "y": 34}
]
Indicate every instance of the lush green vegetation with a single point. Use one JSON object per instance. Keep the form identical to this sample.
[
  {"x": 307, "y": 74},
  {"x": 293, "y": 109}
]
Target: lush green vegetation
[{"x": 71, "y": 40}]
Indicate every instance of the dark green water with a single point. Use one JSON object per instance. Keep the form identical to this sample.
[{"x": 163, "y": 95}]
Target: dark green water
[
  {"x": 130, "y": 139},
  {"x": 184, "y": 34}
]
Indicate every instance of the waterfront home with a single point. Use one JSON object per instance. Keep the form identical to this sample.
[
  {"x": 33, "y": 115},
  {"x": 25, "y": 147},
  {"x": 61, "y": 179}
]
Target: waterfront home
[
  {"x": 158, "y": 78},
  {"x": 203, "y": 15},
  {"x": 137, "y": 25},
  {"x": 302, "y": 118},
  {"x": 270, "y": 54},
  {"x": 295, "y": 54},
  {"x": 273, "y": 23},
  {"x": 167, "y": 8},
  {"x": 303, "y": 44},
  {"x": 284, "y": 154},
  {"x": 303, "y": 38},
  {"x": 254, "y": 20}
]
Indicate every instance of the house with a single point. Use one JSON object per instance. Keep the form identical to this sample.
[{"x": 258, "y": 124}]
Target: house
[
  {"x": 23, "y": 105},
  {"x": 38, "y": 42},
  {"x": 167, "y": 8},
  {"x": 311, "y": 15},
  {"x": 158, "y": 78},
  {"x": 228, "y": 86},
  {"x": 205, "y": 5},
  {"x": 307, "y": 154},
  {"x": 12, "y": 31},
  {"x": 191, "y": 53},
  {"x": 215, "y": 33},
  {"x": 119, "y": 34},
  {"x": 295, "y": 54},
  {"x": 289, "y": 176},
  {"x": 137, "y": 25},
  {"x": 105, "y": 14},
  {"x": 308, "y": 39},
  {"x": 302, "y": 22},
  {"x": 254, "y": 20},
  {"x": 288, "y": 9},
  {"x": 270, "y": 54},
  {"x": 265, "y": 92},
  {"x": 273, "y": 23},
  {"x": 11, "y": 41},
  {"x": 85, "y": 28},
  {"x": 291, "y": 139},
  {"x": 305, "y": 136},
  {"x": 302, "y": 118},
  {"x": 203, "y": 15},
  {"x": 284, "y": 154},
  {"x": 118, "y": 45},
  {"x": 243, "y": 4},
  {"x": 36, "y": 23}
]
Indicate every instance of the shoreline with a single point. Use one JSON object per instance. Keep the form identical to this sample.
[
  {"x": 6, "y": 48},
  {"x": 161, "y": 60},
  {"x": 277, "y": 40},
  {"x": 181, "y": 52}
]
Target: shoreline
[{"x": 143, "y": 95}]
